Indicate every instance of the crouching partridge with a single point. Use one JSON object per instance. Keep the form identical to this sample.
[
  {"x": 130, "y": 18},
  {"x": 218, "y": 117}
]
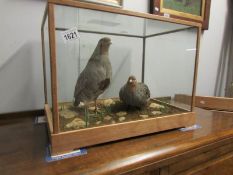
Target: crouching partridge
[{"x": 134, "y": 93}]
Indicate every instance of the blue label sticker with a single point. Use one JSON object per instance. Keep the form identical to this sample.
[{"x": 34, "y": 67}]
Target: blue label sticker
[
  {"x": 190, "y": 128},
  {"x": 75, "y": 153}
]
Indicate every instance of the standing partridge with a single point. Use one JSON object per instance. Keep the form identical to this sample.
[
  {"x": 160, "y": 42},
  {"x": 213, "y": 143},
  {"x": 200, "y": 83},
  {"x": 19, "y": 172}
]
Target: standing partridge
[{"x": 96, "y": 76}]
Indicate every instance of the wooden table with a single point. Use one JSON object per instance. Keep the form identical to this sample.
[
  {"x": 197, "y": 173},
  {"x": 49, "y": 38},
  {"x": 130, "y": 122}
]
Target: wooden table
[{"x": 208, "y": 150}]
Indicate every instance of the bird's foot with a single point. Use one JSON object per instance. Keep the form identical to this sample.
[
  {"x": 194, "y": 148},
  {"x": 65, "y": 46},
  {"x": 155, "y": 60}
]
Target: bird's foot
[{"x": 81, "y": 104}]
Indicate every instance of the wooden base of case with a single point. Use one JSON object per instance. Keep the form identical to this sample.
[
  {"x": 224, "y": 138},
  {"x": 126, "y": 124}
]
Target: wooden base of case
[{"x": 68, "y": 141}]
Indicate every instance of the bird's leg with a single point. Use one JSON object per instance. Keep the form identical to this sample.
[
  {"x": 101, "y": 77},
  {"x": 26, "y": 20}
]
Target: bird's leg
[
  {"x": 96, "y": 111},
  {"x": 95, "y": 106},
  {"x": 62, "y": 107},
  {"x": 128, "y": 107},
  {"x": 86, "y": 114}
]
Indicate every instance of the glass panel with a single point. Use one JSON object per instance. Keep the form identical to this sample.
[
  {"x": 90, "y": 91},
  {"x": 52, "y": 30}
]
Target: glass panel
[
  {"x": 125, "y": 54},
  {"x": 169, "y": 65},
  {"x": 47, "y": 64},
  {"x": 98, "y": 21},
  {"x": 157, "y": 27},
  {"x": 168, "y": 50}
]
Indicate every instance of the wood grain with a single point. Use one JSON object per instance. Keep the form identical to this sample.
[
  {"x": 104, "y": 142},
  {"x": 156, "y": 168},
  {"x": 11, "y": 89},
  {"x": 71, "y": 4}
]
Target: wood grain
[
  {"x": 21, "y": 114},
  {"x": 53, "y": 67},
  {"x": 213, "y": 103},
  {"x": 49, "y": 118},
  {"x": 196, "y": 67},
  {"x": 217, "y": 103},
  {"x": 205, "y": 23},
  {"x": 193, "y": 161},
  {"x": 164, "y": 170},
  {"x": 23, "y": 152},
  {"x": 68, "y": 141},
  {"x": 220, "y": 166}
]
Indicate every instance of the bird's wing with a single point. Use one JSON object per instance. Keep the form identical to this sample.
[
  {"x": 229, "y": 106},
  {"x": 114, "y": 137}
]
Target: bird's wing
[
  {"x": 104, "y": 84},
  {"x": 81, "y": 84},
  {"x": 91, "y": 79},
  {"x": 121, "y": 93},
  {"x": 147, "y": 91},
  {"x": 144, "y": 90},
  {"x": 125, "y": 95}
]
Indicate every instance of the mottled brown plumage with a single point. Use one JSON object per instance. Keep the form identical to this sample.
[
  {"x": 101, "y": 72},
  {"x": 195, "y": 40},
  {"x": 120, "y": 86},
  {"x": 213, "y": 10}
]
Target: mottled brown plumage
[
  {"x": 134, "y": 93},
  {"x": 96, "y": 76}
]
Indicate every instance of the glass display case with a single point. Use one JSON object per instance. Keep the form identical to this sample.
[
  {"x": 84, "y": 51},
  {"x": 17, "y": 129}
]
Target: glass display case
[{"x": 111, "y": 74}]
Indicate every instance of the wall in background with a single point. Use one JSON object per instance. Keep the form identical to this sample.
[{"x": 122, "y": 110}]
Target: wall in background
[
  {"x": 211, "y": 46},
  {"x": 21, "y": 78},
  {"x": 137, "y": 5},
  {"x": 225, "y": 67}
]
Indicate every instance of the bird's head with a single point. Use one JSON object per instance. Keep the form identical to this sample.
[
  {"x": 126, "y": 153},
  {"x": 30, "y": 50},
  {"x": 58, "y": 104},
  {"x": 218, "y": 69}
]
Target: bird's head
[
  {"x": 132, "y": 81},
  {"x": 101, "y": 48},
  {"x": 104, "y": 44}
]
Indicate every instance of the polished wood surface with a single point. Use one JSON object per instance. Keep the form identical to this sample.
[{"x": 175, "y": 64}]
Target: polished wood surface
[
  {"x": 207, "y": 102},
  {"x": 205, "y": 24},
  {"x": 53, "y": 67},
  {"x": 23, "y": 146},
  {"x": 217, "y": 103},
  {"x": 19, "y": 114},
  {"x": 68, "y": 141},
  {"x": 49, "y": 118},
  {"x": 221, "y": 167}
]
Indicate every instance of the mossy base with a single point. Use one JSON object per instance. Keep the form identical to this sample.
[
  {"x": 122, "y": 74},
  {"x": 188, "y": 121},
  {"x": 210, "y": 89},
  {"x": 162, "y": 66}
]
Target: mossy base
[{"x": 110, "y": 111}]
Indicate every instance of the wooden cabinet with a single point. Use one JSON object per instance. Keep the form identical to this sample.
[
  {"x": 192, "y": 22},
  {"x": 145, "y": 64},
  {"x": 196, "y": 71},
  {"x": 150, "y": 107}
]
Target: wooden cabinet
[
  {"x": 222, "y": 166},
  {"x": 215, "y": 159},
  {"x": 205, "y": 151}
]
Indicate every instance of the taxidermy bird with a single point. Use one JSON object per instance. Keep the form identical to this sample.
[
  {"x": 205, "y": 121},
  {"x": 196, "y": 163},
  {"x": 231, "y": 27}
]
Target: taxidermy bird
[
  {"x": 96, "y": 76},
  {"x": 134, "y": 93}
]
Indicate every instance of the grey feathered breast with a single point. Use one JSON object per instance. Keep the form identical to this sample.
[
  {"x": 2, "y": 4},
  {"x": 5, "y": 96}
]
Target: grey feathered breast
[{"x": 137, "y": 96}]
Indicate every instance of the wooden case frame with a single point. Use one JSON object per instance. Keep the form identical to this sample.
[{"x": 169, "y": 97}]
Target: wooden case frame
[{"x": 62, "y": 142}]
